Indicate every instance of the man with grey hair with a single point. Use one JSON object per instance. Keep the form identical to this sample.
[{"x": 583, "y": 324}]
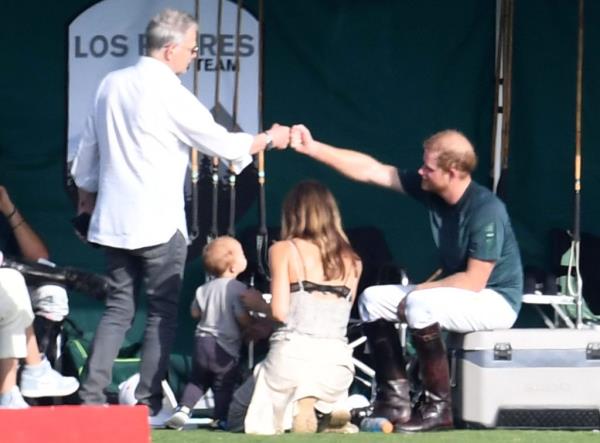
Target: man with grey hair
[
  {"x": 481, "y": 281},
  {"x": 129, "y": 170}
]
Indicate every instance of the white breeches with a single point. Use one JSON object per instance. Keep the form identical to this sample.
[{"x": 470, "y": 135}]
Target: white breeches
[{"x": 457, "y": 310}]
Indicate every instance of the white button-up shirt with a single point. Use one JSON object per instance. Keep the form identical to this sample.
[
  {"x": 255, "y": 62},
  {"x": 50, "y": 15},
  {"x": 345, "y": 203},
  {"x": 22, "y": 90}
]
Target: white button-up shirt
[{"x": 135, "y": 150}]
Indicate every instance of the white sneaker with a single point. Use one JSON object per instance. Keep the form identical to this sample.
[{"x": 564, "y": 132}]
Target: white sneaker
[
  {"x": 13, "y": 399},
  {"x": 159, "y": 420},
  {"x": 43, "y": 381},
  {"x": 178, "y": 420}
]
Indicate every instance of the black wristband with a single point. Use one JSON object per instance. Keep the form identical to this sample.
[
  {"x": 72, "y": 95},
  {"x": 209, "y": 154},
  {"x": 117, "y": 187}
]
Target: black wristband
[
  {"x": 14, "y": 211},
  {"x": 18, "y": 224}
]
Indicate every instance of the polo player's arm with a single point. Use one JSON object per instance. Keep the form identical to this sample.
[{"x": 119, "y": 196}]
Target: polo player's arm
[
  {"x": 474, "y": 278},
  {"x": 353, "y": 164}
]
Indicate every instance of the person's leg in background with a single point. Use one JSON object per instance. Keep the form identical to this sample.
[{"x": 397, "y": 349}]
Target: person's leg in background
[
  {"x": 50, "y": 304},
  {"x": 163, "y": 268},
  {"x": 239, "y": 405},
  {"x": 124, "y": 272},
  {"x": 38, "y": 378},
  {"x": 16, "y": 314},
  {"x": 392, "y": 399},
  {"x": 377, "y": 307},
  {"x": 10, "y": 395}
]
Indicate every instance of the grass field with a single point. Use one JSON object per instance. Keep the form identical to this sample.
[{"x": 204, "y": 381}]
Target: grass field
[{"x": 459, "y": 436}]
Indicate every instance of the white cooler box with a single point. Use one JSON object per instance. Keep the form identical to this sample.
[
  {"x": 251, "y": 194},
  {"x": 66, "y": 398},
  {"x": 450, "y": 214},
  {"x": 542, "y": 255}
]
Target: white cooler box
[{"x": 526, "y": 378}]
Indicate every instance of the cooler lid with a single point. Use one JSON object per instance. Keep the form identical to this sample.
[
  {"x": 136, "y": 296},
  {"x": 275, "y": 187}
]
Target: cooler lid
[{"x": 529, "y": 338}]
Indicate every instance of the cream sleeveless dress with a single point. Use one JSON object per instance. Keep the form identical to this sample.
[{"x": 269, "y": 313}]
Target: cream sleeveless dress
[{"x": 309, "y": 356}]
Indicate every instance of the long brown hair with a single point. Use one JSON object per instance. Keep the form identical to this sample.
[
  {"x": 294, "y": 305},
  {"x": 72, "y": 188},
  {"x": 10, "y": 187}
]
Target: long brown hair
[{"x": 310, "y": 212}]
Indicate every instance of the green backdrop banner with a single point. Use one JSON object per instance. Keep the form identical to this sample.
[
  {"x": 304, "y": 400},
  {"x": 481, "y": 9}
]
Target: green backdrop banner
[
  {"x": 541, "y": 174},
  {"x": 379, "y": 76}
]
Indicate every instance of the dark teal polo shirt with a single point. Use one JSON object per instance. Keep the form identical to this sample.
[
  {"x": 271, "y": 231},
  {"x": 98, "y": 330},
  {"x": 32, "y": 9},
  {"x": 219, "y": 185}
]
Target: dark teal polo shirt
[{"x": 478, "y": 227}]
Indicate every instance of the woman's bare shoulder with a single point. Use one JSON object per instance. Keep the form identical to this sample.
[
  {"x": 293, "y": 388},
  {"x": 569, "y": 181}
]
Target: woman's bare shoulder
[
  {"x": 280, "y": 248},
  {"x": 353, "y": 265}
]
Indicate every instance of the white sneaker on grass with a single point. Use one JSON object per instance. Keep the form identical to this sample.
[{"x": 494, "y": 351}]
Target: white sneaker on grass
[
  {"x": 13, "y": 399},
  {"x": 159, "y": 420},
  {"x": 42, "y": 381},
  {"x": 178, "y": 420}
]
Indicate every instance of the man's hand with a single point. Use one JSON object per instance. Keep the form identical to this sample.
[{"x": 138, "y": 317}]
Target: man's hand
[
  {"x": 86, "y": 201},
  {"x": 280, "y": 135},
  {"x": 301, "y": 139}
]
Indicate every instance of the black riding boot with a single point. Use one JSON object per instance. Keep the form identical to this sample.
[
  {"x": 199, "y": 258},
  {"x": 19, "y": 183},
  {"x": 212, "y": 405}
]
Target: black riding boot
[
  {"x": 434, "y": 410},
  {"x": 392, "y": 399}
]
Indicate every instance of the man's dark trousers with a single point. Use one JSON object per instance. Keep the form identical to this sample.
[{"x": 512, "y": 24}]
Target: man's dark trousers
[{"x": 160, "y": 270}]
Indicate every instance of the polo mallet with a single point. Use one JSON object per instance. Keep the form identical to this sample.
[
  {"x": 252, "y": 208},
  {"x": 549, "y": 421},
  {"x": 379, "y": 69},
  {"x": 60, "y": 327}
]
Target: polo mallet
[
  {"x": 194, "y": 228},
  {"x": 234, "y": 125},
  {"x": 503, "y": 80},
  {"x": 262, "y": 235},
  {"x": 434, "y": 276},
  {"x": 214, "y": 227},
  {"x": 507, "y": 96},
  {"x": 497, "y": 109},
  {"x": 232, "y": 182},
  {"x": 576, "y": 237},
  {"x": 262, "y": 239}
]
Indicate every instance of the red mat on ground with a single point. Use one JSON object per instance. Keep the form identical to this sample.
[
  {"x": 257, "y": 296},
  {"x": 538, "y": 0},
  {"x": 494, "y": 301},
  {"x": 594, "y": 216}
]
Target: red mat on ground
[{"x": 75, "y": 424}]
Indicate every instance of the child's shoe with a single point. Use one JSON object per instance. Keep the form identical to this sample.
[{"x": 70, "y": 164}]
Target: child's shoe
[{"x": 179, "y": 418}]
